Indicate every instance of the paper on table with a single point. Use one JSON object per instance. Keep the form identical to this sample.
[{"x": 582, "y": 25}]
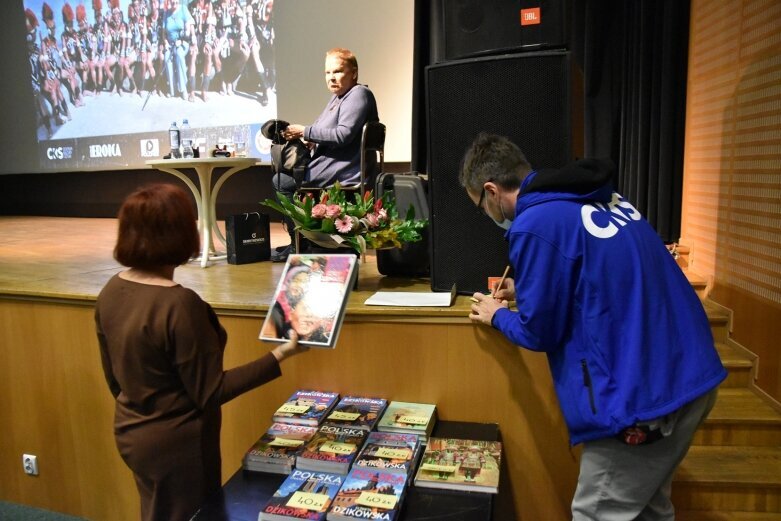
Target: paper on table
[{"x": 411, "y": 298}]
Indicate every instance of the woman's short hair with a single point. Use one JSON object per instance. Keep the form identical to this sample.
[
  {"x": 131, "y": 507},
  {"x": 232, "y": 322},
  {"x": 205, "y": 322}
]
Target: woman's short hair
[
  {"x": 346, "y": 55},
  {"x": 157, "y": 227}
]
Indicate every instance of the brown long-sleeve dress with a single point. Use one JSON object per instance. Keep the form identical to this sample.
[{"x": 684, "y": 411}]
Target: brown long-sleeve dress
[{"x": 162, "y": 354}]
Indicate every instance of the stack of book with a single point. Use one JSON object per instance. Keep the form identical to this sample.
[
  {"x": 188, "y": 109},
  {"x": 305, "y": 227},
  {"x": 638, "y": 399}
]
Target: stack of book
[
  {"x": 357, "y": 411},
  {"x": 303, "y": 495},
  {"x": 389, "y": 452},
  {"x": 277, "y": 449},
  {"x": 409, "y": 418},
  {"x": 332, "y": 449},
  {"x": 467, "y": 465},
  {"x": 369, "y": 494},
  {"x": 306, "y": 407}
]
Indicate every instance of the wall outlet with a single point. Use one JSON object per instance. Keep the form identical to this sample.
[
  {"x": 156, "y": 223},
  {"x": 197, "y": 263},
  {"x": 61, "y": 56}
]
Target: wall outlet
[{"x": 30, "y": 464}]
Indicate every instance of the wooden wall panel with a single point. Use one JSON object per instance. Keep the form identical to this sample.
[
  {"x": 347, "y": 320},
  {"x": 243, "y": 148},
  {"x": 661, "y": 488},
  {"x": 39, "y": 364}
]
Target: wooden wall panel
[
  {"x": 732, "y": 166},
  {"x": 56, "y": 403}
]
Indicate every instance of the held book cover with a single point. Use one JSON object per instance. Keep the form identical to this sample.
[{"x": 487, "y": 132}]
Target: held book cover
[
  {"x": 468, "y": 465},
  {"x": 357, "y": 411},
  {"x": 409, "y": 417},
  {"x": 276, "y": 450},
  {"x": 369, "y": 494},
  {"x": 331, "y": 449},
  {"x": 310, "y": 299},
  {"x": 306, "y": 407},
  {"x": 389, "y": 452},
  {"x": 303, "y": 495}
]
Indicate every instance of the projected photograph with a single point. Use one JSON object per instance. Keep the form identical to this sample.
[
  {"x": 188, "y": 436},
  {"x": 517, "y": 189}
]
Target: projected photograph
[{"x": 110, "y": 76}]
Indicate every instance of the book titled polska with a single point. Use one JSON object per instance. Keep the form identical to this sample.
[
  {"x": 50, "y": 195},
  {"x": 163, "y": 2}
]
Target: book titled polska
[
  {"x": 369, "y": 494},
  {"x": 409, "y": 417},
  {"x": 306, "y": 407},
  {"x": 389, "y": 452},
  {"x": 468, "y": 465},
  {"x": 310, "y": 299},
  {"x": 332, "y": 449},
  {"x": 357, "y": 411},
  {"x": 303, "y": 495},
  {"x": 276, "y": 450}
]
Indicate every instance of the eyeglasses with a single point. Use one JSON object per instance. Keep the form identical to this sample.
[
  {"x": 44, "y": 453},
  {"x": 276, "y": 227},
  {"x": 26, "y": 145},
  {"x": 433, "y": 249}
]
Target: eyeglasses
[{"x": 480, "y": 202}]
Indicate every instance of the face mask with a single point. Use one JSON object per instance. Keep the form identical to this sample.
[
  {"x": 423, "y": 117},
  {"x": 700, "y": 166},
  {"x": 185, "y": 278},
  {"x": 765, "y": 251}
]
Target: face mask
[{"x": 504, "y": 225}]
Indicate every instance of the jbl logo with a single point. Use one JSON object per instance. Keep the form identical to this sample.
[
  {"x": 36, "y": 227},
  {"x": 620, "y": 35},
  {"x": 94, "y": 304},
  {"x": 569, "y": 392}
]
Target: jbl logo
[{"x": 531, "y": 16}]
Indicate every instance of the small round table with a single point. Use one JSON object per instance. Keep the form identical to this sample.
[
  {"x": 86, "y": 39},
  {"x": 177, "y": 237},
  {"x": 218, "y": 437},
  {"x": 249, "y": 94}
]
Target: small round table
[{"x": 206, "y": 195}]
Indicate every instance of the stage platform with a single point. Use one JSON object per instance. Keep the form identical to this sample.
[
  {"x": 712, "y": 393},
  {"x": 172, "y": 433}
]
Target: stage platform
[{"x": 71, "y": 259}]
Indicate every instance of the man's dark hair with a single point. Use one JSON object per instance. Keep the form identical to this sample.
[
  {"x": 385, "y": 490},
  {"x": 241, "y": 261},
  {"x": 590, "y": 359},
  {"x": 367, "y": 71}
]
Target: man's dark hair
[{"x": 493, "y": 158}]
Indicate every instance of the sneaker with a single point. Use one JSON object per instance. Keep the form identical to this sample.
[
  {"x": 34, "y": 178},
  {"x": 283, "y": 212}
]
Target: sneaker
[{"x": 281, "y": 256}]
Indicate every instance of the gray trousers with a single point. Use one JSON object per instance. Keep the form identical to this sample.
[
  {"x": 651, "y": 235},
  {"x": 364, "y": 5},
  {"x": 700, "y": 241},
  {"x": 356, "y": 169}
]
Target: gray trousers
[{"x": 620, "y": 482}]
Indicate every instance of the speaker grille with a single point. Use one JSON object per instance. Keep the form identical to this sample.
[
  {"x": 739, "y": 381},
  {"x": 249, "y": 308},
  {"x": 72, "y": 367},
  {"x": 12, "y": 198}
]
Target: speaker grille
[{"x": 525, "y": 97}]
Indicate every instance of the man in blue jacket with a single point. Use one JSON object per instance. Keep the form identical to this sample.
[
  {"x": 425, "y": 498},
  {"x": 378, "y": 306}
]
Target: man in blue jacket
[{"x": 628, "y": 343}]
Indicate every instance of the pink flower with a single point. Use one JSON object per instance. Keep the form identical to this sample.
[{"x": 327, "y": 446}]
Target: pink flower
[
  {"x": 319, "y": 211},
  {"x": 333, "y": 210},
  {"x": 372, "y": 219},
  {"x": 344, "y": 224},
  {"x": 382, "y": 214}
]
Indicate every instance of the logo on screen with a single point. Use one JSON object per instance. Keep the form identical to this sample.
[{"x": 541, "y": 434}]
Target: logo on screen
[
  {"x": 110, "y": 150},
  {"x": 57, "y": 153},
  {"x": 150, "y": 148}
]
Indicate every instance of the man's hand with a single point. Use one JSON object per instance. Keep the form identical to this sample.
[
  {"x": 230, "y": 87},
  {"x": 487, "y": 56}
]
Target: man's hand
[
  {"x": 507, "y": 291},
  {"x": 289, "y": 349},
  {"x": 484, "y": 307}
]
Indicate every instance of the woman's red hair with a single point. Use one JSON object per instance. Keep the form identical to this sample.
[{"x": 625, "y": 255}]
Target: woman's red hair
[{"x": 157, "y": 227}]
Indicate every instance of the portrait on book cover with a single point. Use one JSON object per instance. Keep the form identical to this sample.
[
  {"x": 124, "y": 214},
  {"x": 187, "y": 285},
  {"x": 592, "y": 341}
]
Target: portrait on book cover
[{"x": 310, "y": 299}]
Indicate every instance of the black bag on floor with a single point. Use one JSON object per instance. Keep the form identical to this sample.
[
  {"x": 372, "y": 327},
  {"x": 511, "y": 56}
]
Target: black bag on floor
[
  {"x": 247, "y": 238},
  {"x": 412, "y": 259}
]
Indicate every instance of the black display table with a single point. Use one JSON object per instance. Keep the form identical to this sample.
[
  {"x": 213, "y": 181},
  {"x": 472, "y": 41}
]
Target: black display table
[{"x": 247, "y": 492}]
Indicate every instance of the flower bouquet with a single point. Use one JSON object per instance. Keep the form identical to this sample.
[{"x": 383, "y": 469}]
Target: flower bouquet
[{"x": 336, "y": 222}]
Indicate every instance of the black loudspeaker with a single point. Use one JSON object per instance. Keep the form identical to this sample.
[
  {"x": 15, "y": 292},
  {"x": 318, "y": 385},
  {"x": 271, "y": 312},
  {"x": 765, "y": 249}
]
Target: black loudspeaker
[
  {"x": 479, "y": 27},
  {"x": 526, "y": 97}
]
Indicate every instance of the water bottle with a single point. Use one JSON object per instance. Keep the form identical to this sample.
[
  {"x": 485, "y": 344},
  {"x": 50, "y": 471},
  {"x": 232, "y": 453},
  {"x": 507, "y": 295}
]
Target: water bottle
[
  {"x": 174, "y": 138},
  {"x": 187, "y": 140}
]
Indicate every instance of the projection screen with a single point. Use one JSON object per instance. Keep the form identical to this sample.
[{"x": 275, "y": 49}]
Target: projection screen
[{"x": 95, "y": 84}]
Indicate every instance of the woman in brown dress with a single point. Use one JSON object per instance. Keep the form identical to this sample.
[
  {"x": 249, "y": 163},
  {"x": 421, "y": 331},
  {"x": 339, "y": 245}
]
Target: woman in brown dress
[{"x": 162, "y": 348}]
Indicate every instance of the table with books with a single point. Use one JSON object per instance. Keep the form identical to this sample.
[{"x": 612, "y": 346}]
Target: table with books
[{"x": 331, "y": 457}]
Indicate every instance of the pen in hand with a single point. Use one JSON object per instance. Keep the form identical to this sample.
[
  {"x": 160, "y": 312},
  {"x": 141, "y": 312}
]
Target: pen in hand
[
  {"x": 496, "y": 288},
  {"x": 501, "y": 281}
]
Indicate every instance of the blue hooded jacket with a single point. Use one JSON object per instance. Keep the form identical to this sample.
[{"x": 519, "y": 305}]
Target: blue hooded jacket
[{"x": 626, "y": 336}]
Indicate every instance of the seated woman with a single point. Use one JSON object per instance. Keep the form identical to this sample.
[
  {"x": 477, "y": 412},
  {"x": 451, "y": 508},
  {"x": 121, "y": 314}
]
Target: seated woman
[{"x": 335, "y": 136}]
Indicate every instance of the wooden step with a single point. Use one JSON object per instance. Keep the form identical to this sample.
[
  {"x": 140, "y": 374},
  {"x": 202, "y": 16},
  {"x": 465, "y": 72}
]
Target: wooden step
[
  {"x": 698, "y": 282},
  {"x": 712, "y": 515},
  {"x": 739, "y": 365},
  {"x": 718, "y": 319},
  {"x": 740, "y": 417},
  {"x": 729, "y": 479}
]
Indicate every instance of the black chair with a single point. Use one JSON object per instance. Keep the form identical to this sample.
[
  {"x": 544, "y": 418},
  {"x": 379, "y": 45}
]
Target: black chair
[{"x": 372, "y": 160}]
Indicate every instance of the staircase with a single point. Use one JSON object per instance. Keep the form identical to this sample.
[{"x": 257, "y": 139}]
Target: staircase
[{"x": 733, "y": 469}]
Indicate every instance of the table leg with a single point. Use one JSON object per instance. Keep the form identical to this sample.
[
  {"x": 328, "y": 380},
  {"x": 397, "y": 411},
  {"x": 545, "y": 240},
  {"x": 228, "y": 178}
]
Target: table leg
[
  {"x": 207, "y": 212},
  {"x": 199, "y": 204},
  {"x": 213, "y": 202}
]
